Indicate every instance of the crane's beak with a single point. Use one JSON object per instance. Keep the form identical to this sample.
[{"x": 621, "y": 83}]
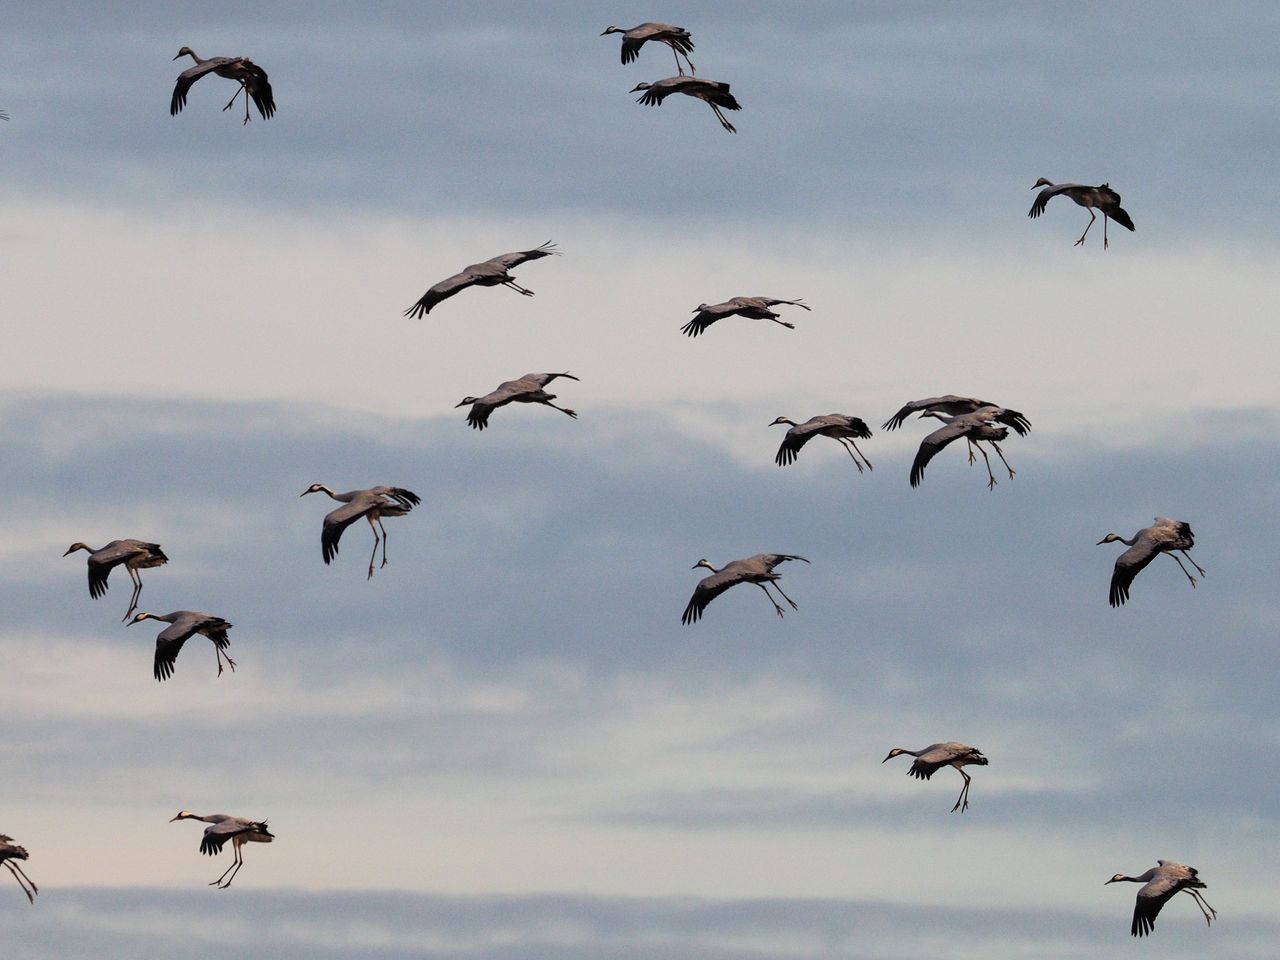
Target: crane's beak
[
  {"x": 605, "y": 33},
  {"x": 179, "y": 55},
  {"x": 888, "y": 758},
  {"x": 67, "y": 554},
  {"x": 462, "y": 404},
  {"x": 1098, "y": 544}
]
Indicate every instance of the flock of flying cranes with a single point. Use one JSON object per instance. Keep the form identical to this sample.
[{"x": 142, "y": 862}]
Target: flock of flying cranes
[{"x": 977, "y": 421}]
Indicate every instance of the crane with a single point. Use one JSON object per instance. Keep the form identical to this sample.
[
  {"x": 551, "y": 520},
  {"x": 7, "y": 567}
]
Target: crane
[
  {"x": 938, "y": 755},
  {"x": 713, "y": 93},
  {"x": 757, "y": 570},
  {"x": 1091, "y": 198},
  {"x": 838, "y": 426},
  {"x": 1160, "y": 884},
  {"x": 223, "y": 827},
  {"x": 183, "y": 625},
  {"x": 494, "y": 272},
  {"x": 1163, "y": 536},
  {"x": 251, "y": 77},
  {"x": 134, "y": 554},
  {"x": 526, "y": 389},
  {"x": 677, "y": 38},
  {"x": 373, "y": 504}
]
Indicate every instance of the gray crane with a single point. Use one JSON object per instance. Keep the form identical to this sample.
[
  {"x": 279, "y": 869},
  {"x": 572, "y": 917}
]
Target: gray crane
[
  {"x": 373, "y": 504},
  {"x": 757, "y": 570},
  {"x": 713, "y": 93},
  {"x": 10, "y": 853},
  {"x": 949, "y": 408},
  {"x": 183, "y": 625},
  {"x": 954, "y": 406},
  {"x": 754, "y": 308},
  {"x": 1163, "y": 536},
  {"x": 526, "y": 389},
  {"x": 677, "y": 38},
  {"x": 224, "y": 827},
  {"x": 1091, "y": 198},
  {"x": 1159, "y": 885},
  {"x": 838, "y": 426},
  {"x": 938, "y": 755},
  {"x": 974, "y": 427},
  {"x": 134, "y": 554},
  {"x": 251, "y": 77},
  {"x": 493, "y": 272}
]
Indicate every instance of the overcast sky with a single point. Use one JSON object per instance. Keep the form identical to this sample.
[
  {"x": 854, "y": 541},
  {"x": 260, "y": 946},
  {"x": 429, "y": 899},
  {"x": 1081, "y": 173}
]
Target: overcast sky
[{"x": 506, "y": 744}]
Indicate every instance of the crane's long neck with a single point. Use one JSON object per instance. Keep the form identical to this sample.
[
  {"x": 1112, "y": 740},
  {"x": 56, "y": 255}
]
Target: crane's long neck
[
  {"x": 340, "y": 497},
  {"x": 194, "y": 56}
]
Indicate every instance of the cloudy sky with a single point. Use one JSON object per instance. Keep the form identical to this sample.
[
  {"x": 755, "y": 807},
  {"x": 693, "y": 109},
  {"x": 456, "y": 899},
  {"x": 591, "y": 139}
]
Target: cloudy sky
[{"x": 505, "y": 744}]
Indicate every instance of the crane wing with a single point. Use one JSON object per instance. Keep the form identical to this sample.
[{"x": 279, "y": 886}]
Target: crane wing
[
  {"x": 441, "y": 291},
  {"x": 931, "y": 445},
  {"x": 1129, "y": 564},
  {"x": 507, "y": 261},
  {"x": 708, "y": 589},
  {"x": 338, "y": 520},
  {"x": 189, "y": 76}
]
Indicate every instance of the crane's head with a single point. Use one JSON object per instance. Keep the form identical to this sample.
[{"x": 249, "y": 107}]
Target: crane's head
[
  {"x": 1109, "y": 538},
  {"x": 895, "y": 752},
  {"x": 186, "y": 52},
  {"x": 1042, "y": 182},
  {"x": 142, "y": 616},
  {"x": 1117, "y": 878},
  {"x": 782, "y": 420},
  {"x": 314, "y": 488},
  {"x": 184, "y": 815},
  {"x": 636, "y": 89},
  {"x": 466, "y": 401},
  {"x": 609, "y": 30},
  {"x": 77, "y": 546},
  {"x": 703, "y": 563}
]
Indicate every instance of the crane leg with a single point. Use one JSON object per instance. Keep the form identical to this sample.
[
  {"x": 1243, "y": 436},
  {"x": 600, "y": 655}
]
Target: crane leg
[
  {"x": 771, "y": 600},
  {"x": 692, "y": 71},
  {"x": 971, "y": 456},
  {"x": 234, "y": 861},
  {"x": 217, "y": 650},
  {"x": 137, "y": 591},
  {"x": 784, "y": 596},
  {"x": 1105, "y": 218},
  {"x": 1193, "y": 563},
  {"x": 384, "y": 542},
  {"x": 991, "y": 483},
  {"x": 860, "y": 454},
  {"x": 726, "y": 124},
  {"x": 1184, "y": 569},
  {"x": 856, "y": 462},
  {"x": 779, "y": 320},
  {"x": 238, "y": 865},
  {"x": 524, "y": 291},
  {"x": 17, "y": 875},
  {"x": 675, "y": 53},
  {"x": 565, "y": 410},
  {"x": 1012, "y": 472},
  {"x": 1210, "y": 914},
  {"x": 373, "y": 555},
  {"x": 964, "y": 793},
  {"x": 245, "y": 90},
  {"x": 1092, "y": 217}
]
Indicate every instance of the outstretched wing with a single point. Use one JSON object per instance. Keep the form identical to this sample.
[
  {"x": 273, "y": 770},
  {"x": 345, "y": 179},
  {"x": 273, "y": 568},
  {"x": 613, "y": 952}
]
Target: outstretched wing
[
  {"x": 1151, "y": 898},
  {"x": 1044, "y": 196},
  {"x": 441, "y": 291},
  {"x": 216, "y": 834},
  {"x": 1128, "y": 565},
  {"x": 406, "y": 498},
  {"x": 339, "y": 520},
  {"x": 796, "y": 438},
  {"x": 1117, "y": 214},
  {"x": 186, "y": 78},
  {"x": 709, "y": 315},
  {"x": 507, "y": 261},
  {"x": 169, "y": 644},
  {"x": 255, "y": 83},
  {"x": 112, "y": 555},
  {"x": 708, "y": 589},
  {"x": 931, "y": 446},
  {"x": 771, "y": 560}
]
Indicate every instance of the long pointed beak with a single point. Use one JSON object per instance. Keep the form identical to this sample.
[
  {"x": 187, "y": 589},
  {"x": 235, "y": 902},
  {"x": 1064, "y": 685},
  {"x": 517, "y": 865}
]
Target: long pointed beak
[
  {"x": 605, "y": 33},
  {"x": 462, "y": 404},
  {"x": 1101, "y": 542},
  {"x": 175, "y": 818},
  {"x": 67, "y": 554},
  {"x": 888, "y": 758},
  {"x": 179, "y": 55}
]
